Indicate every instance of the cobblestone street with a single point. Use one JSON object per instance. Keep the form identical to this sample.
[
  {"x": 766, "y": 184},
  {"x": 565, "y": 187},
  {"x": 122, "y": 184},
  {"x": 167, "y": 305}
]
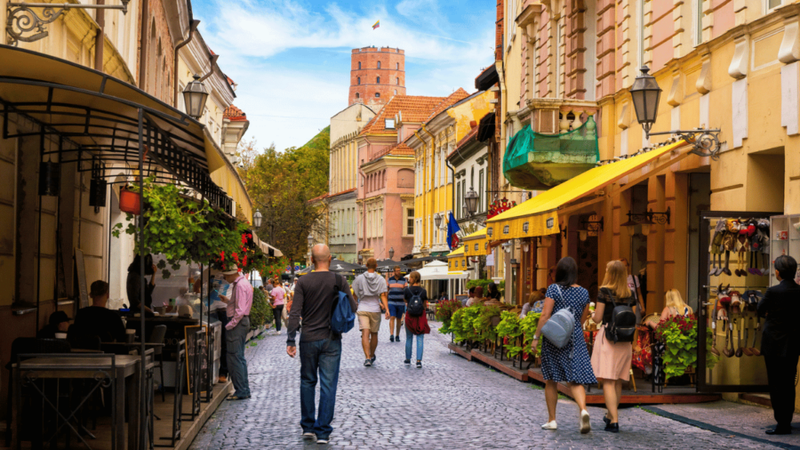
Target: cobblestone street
[{"x": 448, "y": 404}]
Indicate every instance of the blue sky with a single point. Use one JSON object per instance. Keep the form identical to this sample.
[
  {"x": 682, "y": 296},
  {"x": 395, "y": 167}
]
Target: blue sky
[{"x": 291, "y": 59}]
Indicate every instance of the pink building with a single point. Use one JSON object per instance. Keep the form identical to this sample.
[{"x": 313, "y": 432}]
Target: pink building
[{"x": 386, "y": 177}]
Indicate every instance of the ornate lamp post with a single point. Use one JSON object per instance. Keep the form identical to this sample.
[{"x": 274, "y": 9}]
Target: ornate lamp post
[
  {"x": 195, "y": 95},
  {"x": 257, "y": 218}
]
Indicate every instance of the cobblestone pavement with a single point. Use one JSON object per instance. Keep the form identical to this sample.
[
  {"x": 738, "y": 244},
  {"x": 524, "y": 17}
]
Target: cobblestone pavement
[{"x": 448, "y": 404}]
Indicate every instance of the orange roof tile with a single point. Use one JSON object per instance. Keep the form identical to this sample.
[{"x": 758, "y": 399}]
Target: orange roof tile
[
  {"x": 234, "y": 114},
  {"x": 400, "y": 149},
  {"x": 449, "y": 101},
  {"x": 412, "y": 108}
]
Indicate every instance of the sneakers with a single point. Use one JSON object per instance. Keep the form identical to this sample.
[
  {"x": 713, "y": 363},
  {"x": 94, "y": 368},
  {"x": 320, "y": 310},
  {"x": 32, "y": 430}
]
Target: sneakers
[
  {"x": 372, "y": 360},
  {"x": 309, "y": 435},
  {"x": 407, "y": 362},
  {"x": 367, "y": 362},
  {"x": 552, "y": 425},
  {"x": 419, "y": 364},
  {"x": 391, "y": 338},
  {"x": 586, "y": 426},
  {"x": 322, "y": 441},
  {"x": 612, "y": 427}
]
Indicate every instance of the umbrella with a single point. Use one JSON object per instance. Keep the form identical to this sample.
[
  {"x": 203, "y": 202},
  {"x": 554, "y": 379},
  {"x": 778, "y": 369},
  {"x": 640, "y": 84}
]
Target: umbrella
[{"x": 388, "y": 265}]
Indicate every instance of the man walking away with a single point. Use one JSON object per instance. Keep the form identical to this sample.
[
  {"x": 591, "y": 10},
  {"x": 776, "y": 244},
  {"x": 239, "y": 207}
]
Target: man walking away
[
  {"x": 236, "y": 330},
  {"x": 315, "y": 298},
  {"x": 370, "y": 290},
  {"x": 397, "y": 304}
]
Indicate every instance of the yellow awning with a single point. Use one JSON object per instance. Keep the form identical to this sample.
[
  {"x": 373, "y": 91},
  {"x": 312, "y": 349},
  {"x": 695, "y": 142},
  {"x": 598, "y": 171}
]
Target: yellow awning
[
  {"x": 539, "y": 215},
  {"x": 225, "y": 176},
  {"x": 457, "y": 252},
  {"x": 475, "y": 243}
]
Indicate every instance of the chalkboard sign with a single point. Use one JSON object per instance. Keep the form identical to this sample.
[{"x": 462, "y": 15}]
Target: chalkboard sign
[
  {"x": 80, "y": 266},
  {"x": 192, "y": 353}
]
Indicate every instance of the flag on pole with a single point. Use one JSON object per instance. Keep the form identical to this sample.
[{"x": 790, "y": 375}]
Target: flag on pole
[
  {"x": 452, "y": 229},
  {"x": 377, "y": 25}
]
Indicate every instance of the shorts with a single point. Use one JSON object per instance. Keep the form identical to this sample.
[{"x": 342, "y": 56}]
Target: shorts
[
  {"x": 369, "y": 320},
  {"x": 397, "y": 309}
]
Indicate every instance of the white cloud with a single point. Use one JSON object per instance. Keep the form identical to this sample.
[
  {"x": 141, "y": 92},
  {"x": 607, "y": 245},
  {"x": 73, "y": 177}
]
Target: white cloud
[{"x": 288, "y": 100}]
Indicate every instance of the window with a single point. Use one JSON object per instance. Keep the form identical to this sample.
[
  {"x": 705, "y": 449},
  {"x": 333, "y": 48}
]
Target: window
[
  {"x": 357, "y": 95},
  {"x": 480, "y": 191},
  {"x": 397, "y": 66},
  {"x": 389, "y": 123},
  {"x": 410, "y": 222},
  {"x": 379, "y": 64},
  {"x": 459, "y": 201},
  {"x": 377, "y": 95},
  {"x": 397, "y": 80},
  {"x": 359, "y": 80},
  {"x": 378, "y": 80},
  {"x": 773, "y": 4},
  {"x": 395, "y": 92},
  {"x": 359, "y": 65},
  {"x": 698, "y": 23}
]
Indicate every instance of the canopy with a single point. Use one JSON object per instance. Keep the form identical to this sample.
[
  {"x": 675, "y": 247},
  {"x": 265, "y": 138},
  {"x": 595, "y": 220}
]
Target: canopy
[
  {"x": 539, "y": 215},
  {"x": 388, "y": 265},
  {"x": 457, "y": 259},
  {"x": 438, "y": 270},
  {"x": 475, "y": 243},
  {"x": 266, "y": 248}
]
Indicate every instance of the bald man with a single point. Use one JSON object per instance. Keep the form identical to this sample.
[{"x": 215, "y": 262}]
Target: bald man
[{"x": 320, "y": 348}]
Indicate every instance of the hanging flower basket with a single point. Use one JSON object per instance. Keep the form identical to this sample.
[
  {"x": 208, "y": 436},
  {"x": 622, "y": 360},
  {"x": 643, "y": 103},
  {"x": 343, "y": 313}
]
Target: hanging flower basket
[{"x": 129, "y": 201}]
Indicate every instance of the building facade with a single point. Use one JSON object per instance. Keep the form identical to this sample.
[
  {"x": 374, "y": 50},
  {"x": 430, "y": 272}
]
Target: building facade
[{"x": 376, "y": 75}]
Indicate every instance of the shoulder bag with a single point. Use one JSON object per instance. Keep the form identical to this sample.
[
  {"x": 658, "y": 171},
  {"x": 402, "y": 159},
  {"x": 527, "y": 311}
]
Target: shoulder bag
[{"x": 558, "y": 329}]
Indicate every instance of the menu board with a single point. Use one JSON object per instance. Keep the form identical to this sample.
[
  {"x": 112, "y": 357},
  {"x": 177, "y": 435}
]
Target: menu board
[{"x": 192, "y": 353}]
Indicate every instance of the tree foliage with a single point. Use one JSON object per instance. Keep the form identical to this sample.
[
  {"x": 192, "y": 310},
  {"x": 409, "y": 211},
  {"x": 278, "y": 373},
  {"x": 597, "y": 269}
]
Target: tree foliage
[{"x": 281, "y": 185}]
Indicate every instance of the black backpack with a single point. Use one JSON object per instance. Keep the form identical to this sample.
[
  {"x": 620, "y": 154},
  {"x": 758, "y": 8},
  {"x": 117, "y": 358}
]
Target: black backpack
[
  {"x": 622, "y": 326},
  {"x": 416, "y": 307}
]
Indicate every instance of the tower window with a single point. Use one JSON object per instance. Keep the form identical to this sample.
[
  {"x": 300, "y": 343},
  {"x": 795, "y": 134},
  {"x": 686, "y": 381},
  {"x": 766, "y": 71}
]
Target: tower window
[
  {"x": 377, "y": 95},
  {"x": 357, "y": 95},
  {"x": 359, "y": 80},
  {"x": 359, "y": 65},
  {"x": 398, "y": 81},
  {"x": 395, "y": 92},
  {"x": 397, "y": 66},
  {"x": 378, "y": 80},
  {"x": 379, "y": 64}
]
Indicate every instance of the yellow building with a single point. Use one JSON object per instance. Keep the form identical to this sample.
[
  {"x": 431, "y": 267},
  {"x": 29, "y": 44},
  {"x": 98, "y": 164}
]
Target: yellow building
[{"x": 432, "y": 143}]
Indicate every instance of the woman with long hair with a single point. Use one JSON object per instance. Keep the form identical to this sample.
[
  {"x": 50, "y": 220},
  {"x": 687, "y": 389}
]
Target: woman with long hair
[
  {"x": 675, "y": 305},
  {"x": 611, "y": 361},
  {"x": 535, "y": 296},
  {"x": 570, "y": 364},
  {"x": 415, "y": 325}
]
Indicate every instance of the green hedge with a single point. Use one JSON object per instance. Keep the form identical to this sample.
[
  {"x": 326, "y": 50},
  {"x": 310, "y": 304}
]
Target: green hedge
[{"x": 261, "y": 311}]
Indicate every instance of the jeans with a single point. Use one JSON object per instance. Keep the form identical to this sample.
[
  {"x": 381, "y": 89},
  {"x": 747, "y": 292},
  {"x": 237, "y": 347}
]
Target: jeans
[
  {"x": 237, "y": 364},
  {"x": 420, "y": 345},
  {"x": 321, "y": 356},
  {"x": 277, "y": 312}
]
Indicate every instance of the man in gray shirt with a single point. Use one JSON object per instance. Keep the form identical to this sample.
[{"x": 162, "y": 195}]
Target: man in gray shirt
[
  {"x": 320, "y": 348},
  {"x": 370, "y": 290}
]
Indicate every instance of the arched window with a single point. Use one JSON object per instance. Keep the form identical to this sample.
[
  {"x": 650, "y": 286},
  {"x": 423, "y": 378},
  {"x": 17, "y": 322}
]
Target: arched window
[
  {"x": 379, "y": 64},
  {"x": 377, "y": 95},
  {"x": 378, "y": 80},
  {"x": 359, "y": 65},
  {"x": 397, "y": 80},
  {"x": 395, "y": 92},
  {"x": 359, "y": 80},
  {"x": 357, "y": 95},
  {"x": 397, "y": 66}
]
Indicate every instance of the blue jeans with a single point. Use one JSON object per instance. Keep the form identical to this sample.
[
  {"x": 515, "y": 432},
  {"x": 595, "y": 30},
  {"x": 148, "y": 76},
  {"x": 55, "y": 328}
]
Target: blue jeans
[
  {"x": 321, "y": 356},
  {"x": 420, "y": 344},
  {"x": 237, "y": 364}
]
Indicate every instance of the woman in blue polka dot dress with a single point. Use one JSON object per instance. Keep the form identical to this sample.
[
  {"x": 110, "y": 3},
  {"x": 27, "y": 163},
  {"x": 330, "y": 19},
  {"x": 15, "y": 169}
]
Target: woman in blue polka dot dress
[{"x": 570, "y": 364}]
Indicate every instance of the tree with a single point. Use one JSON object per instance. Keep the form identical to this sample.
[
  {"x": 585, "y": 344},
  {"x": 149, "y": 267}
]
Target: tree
[{"x": 281, "y": 185}]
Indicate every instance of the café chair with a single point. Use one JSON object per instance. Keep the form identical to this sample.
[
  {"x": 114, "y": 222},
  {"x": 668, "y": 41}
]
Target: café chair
[{"x": 157, "y": 337}]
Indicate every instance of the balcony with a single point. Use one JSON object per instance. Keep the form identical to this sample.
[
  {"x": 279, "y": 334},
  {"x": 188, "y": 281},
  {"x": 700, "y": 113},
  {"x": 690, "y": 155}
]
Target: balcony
[{"x": 539, "y": 161}]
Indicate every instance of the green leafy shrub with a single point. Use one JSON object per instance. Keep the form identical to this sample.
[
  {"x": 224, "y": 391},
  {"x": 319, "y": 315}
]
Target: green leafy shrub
[
  {"x": 261, "y": 311},
  {"x": 444, "y": 314},
  {"x": 483, "y": 323},
  {"x": 679, "y": 334},
  {"x": 463, "y": 323},
  {"x": 527, "y": 328}
]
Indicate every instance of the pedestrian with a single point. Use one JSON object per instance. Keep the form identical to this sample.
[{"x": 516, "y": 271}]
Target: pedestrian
[
  {"x": 416, "y": 298},
  {"x": 779, "y": 346},
  {"x": 320, "y": 348},
  {"x": 611, "y": 361},
  {"x": 397, "y": 304},
  {"x": 133, "y": 285},
  {"x": 238, "y": 326},
  {"x": 369, "y": 290},
  {"x": 675, "y": 306},
  {"x": 278, "y": 295},
  {"x": 570, "y": 364}
]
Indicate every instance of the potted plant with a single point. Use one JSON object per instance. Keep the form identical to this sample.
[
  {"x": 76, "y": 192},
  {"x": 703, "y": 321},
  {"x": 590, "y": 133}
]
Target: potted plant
[{"x": 679, "y": 334}]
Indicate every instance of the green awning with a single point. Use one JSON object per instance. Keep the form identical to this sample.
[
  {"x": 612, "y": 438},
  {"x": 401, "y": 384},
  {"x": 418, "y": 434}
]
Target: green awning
[{"x": 538, "y": 161}]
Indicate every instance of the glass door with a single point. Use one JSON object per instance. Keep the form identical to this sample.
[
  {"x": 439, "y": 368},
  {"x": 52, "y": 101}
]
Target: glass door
[
  {"x": 784, "y": 240},
  {"x": 734, "y": 274}
]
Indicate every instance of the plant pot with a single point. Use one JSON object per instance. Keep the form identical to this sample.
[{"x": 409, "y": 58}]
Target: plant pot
[{"x": 129, "y": 201}]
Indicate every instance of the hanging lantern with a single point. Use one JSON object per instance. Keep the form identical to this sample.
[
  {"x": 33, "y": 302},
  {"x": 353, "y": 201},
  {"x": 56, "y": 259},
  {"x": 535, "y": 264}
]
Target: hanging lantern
[
  {"x": 129, "y": 201},
  {"x": 97, "y": 192},
  {"x": 50, "y": 178}
]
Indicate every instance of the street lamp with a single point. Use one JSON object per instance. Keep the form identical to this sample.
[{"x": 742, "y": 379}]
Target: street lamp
[
  {"x": 391, "y": 253},
  {"x": 257, "y": 217},
  {"x": 195, "y": 95},
  {"x": 471, "y": 201},
  {"x": 645, "y": 94},
  {"x": 310, "y": 240},
  {"x": 437, "y": 220}
]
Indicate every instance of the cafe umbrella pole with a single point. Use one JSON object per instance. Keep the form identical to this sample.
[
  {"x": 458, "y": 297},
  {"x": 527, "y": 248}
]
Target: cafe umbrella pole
[{"x": 142, "y": 385}]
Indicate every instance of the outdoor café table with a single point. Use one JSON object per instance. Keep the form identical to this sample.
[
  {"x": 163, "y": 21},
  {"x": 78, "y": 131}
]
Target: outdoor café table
[{"x": 126, "y": 378}]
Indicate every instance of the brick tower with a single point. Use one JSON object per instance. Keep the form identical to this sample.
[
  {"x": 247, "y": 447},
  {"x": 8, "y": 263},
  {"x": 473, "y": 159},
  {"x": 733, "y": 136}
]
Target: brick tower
[{"x": 377, "y": 75}]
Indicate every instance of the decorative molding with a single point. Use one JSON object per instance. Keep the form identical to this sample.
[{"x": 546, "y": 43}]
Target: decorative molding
[
  {"x": 740, "y": 60},
  {"x": 675, "y": 96},
  {"x": 703, "y": 84},
  {"x": 624, "y": 119},
  {"x": 790, "y": 45}
]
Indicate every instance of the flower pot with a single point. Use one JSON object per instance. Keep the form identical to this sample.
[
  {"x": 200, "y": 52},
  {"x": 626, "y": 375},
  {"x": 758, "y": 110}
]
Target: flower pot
[{"x": 129, "y": 201}]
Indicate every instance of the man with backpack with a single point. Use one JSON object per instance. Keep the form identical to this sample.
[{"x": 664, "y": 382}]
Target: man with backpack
[
  {"x": 370, "y": 290},
  {"x": 315, "y": 298}
]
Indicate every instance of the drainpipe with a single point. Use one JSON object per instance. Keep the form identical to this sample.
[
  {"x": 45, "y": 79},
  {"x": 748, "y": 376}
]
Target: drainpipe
[
  {"x": 143, "y": 45},
  {"x": 99, "y": 39},
  {"x": 213, "y": 60},
  {"x": 192, "y": 28}
]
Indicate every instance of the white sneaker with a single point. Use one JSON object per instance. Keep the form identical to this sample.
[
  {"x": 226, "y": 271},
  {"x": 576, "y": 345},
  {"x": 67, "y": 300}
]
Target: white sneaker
[
  {"x": 309, "y": 435},
  {"x": 322, "y": 441},
  {"x": 586, "y": 426},
  {"x": 552, "y": 425}
]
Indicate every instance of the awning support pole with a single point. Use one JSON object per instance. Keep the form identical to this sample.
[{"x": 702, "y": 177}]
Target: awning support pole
[{"x": 140, "y": 232}]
